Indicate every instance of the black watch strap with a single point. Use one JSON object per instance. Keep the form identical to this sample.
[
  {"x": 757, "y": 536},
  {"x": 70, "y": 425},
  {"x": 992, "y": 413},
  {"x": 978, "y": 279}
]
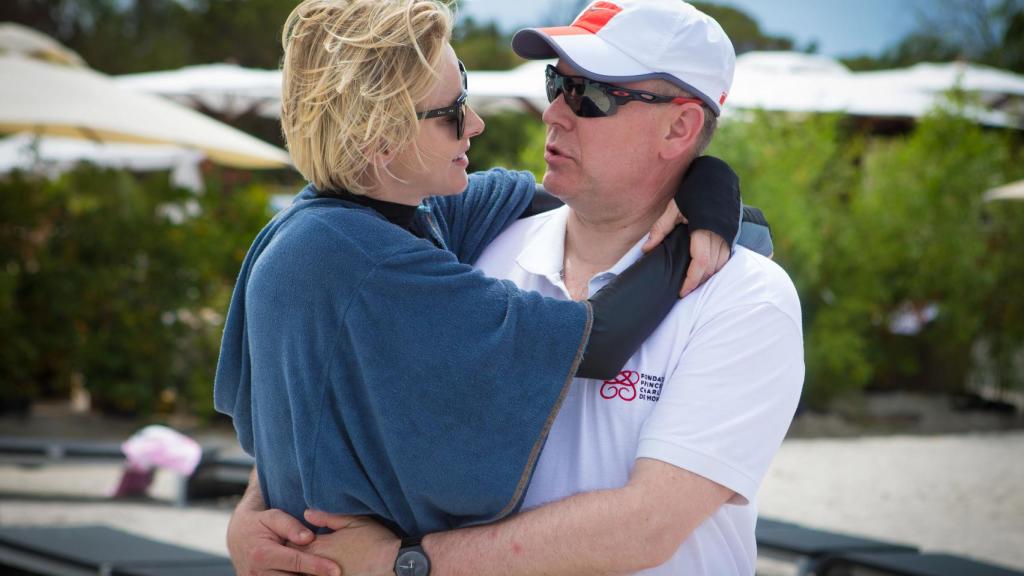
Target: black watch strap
[{"x": 412, "y": 560}]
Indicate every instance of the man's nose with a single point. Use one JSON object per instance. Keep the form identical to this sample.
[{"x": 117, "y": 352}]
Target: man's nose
[{"x": 558, "y": 113}]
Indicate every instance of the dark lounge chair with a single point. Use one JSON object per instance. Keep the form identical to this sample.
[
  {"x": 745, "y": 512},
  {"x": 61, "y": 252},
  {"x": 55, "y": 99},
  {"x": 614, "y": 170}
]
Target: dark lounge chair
[
  {"x": 217, "y": 475},
  {"x": 102, "y": 550},
  {"x": 808, "y": 547},
  {"x": 903, "y": 564},
  {"x": 36, "y": 452}
]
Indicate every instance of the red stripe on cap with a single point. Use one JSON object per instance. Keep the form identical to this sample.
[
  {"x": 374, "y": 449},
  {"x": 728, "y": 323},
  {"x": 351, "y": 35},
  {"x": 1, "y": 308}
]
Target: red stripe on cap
[{"x": 595, "y": 17}]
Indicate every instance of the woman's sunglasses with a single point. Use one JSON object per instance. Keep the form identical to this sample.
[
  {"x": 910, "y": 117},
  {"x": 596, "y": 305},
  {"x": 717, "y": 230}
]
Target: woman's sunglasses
[
  {"x": 592, "y": 99},
  {"x": 456, "y": 110}
]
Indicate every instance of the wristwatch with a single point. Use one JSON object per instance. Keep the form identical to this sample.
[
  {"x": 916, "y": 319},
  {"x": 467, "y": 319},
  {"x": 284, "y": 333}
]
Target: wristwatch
[{"x": 412, "y": 560}]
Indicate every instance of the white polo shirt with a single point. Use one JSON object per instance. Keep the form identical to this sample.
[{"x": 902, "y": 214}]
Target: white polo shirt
[{"x": 713, "y": 391}]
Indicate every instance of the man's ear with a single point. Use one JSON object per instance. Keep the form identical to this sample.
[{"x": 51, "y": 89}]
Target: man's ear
[{"x": 683, "y": 132}]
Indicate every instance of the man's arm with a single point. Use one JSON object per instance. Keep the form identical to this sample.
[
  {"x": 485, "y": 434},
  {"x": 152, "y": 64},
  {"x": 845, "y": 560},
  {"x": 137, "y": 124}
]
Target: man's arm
[{"x": 620, "y": 531}]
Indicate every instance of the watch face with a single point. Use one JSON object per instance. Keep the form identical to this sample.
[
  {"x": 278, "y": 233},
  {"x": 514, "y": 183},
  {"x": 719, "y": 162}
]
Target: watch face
[{"x": 412, "y": 563}]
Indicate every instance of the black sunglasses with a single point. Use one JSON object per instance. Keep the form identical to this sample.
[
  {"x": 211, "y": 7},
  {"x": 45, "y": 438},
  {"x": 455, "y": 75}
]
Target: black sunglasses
[
  {"x": 456, "y": 110},
  {"x": 592, "y": 99}
]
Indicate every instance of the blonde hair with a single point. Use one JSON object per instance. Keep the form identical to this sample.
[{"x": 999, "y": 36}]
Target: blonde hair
[{"x": 352, "y": 73}]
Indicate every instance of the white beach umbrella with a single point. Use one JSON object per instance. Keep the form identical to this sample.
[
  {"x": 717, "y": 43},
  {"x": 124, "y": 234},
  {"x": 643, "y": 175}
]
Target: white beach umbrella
[
  {"x": 16, "y": 39},
  {"x": 937, "y": 78},
  {"x": 789, "y": 82},
  {"x": 521, "y": 89},
  {"x": 916, "y": 90},
  {"x": 796, "y": 82},
  {"x": 44, "y": 98},
  {"x": 54, "y": 155},
  {"x": 1011, "y": 191},
  {"x": 232, "y": 90},
  {"x": 226, "y": 89}
]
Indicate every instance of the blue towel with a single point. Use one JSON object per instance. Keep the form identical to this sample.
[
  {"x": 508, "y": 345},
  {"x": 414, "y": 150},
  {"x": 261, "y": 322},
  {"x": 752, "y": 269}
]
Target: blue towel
[{"x": 370, "y": 372}]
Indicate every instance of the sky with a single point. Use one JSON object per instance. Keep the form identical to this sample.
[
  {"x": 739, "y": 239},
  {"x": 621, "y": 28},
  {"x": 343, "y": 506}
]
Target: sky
[{"x": 840, "y": 27}]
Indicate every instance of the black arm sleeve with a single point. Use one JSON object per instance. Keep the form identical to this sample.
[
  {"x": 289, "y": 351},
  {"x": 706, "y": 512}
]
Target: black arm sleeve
[
  {"x": 630, "y": 307},
  {"x": 709, "y": 197}
]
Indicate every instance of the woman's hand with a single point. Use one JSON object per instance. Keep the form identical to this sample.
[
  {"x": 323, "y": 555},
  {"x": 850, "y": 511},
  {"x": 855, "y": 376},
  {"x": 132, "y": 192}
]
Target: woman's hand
[
  {"x": 359, "y": 545},
  {"x": 708, "y": 251}
]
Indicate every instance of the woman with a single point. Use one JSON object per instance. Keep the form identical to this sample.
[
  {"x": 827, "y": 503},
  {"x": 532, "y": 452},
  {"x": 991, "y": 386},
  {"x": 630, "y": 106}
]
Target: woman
[{"x": 367, "y": 366}]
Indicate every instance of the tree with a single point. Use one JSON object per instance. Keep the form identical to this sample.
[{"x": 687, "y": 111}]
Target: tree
[
  {"x": 743, "y": 30},
  {"x": 483, "y": 46},
  {"x": 1009, "y": 53},
  {"x": 973, "y": 30},
  {"x": 118, "y": 281},
  {"x": 246, "y": 32},
  {"x": 126, "y": 36},
  {"x": 112, "y": 36}
]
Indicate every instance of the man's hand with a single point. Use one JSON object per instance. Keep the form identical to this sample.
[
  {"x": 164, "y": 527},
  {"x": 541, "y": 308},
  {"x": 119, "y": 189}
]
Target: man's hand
[
  {"x": 361, "y": 546},
  {"x": 257, "y": 540},
  {"x": 708, "y": 251}
]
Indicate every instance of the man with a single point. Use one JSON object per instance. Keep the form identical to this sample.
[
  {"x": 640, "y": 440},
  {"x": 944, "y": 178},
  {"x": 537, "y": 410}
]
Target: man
[{"x": 656, "y": 470}]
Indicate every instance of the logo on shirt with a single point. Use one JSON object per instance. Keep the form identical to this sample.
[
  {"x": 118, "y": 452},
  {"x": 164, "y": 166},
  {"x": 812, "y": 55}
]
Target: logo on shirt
[{"x": 630, "y": 385}]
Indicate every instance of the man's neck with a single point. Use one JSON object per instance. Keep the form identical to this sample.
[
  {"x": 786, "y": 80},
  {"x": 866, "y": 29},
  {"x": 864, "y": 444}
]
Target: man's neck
[{"x": 595, "y": 244}]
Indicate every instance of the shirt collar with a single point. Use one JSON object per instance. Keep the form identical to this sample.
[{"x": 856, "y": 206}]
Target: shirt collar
[
  {"x": 629, "y": 258},
  {"x": 544, "y": 254}
]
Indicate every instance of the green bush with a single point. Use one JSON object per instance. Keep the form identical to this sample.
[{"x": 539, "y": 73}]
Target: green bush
[
  {"x": 1002, "y": 312},
  {"x": 510, "y": 140},
  {"x": 867, "y": 227},
  {"x": 922, "y": 240},
  {"x": 120, "y": 281},
  {"x": 801, "y": 173}
]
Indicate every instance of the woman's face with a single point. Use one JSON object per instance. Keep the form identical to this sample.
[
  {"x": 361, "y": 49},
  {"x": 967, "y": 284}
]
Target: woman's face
[{"x": 444, "y": 160}]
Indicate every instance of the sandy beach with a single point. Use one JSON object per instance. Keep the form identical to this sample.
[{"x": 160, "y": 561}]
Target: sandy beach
[
  {"x": 954, "y": 493},
  {"x": 958, "y": 493}
]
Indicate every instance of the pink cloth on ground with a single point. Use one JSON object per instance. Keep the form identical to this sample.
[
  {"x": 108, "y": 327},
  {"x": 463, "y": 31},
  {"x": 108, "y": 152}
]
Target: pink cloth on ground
[{"x": 161, "y": 447}]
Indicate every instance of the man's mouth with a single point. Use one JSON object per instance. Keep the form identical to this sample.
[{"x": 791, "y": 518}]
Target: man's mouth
[{"x": 554, "y": 152}]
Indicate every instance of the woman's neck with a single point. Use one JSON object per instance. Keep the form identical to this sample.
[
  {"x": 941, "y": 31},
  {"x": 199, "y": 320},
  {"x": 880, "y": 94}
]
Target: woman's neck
[
  {"x": 396, "y": 213},
  {"x": 391, "y": 190}
]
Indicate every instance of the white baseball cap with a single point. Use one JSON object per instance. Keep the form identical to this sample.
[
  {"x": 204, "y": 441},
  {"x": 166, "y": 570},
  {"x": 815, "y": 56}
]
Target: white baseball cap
[{"x": 633, "y": 40}]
